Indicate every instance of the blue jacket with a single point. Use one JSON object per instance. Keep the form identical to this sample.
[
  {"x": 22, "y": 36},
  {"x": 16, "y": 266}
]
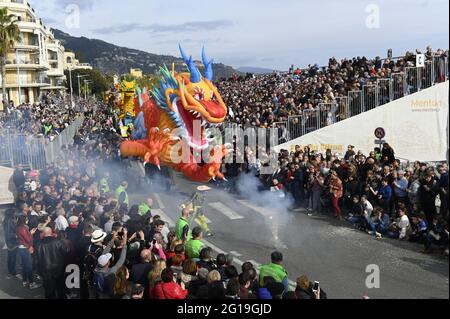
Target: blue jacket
[{"x": 385, "y": 192}]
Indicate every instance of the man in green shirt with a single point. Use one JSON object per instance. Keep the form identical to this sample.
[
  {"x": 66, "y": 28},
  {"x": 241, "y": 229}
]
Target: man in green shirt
[
  {"x": 183, "y": 229},
  {"x": 146, "y": 207},
  {"x": 195, "y": 245},
  {"x": 275, "y": 270},
  {"x": 121, "y": 194}
]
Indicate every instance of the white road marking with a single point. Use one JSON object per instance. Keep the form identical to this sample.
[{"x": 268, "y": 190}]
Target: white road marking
[
  {"x": 231, "y": 214},
  {"x": 159, "y": 201},
  {"x": 164, "y": 216},
  {"x": 235, "y": 253},
  {"x": 263, "y": 211}
]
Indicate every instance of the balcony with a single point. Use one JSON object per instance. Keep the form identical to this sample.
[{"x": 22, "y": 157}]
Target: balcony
[
  {"x": 26, "y": 64},
  {"x": 28, "y": 46}
]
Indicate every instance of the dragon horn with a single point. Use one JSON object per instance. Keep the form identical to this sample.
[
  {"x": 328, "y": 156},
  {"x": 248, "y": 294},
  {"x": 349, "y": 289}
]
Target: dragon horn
[
  {"x": 208, "y": 65},
  {"x": 195, "y": 73}
]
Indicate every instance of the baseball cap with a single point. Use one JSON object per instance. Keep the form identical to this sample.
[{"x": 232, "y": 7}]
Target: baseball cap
[{"x": 103, "y": 259}]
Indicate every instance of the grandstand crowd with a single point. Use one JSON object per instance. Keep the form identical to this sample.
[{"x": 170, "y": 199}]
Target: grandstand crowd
[{"x": 262, "y": 100}]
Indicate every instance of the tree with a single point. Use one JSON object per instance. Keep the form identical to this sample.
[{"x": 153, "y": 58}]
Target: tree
[
  {"x": 99, "y": 83},
  {"x": 9, "y": 35}
]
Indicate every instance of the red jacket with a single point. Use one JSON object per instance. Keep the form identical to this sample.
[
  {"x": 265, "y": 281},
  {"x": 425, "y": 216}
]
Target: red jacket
[
  {"x": 170, "y": 290},
  {"x": 24, "y": 236}
]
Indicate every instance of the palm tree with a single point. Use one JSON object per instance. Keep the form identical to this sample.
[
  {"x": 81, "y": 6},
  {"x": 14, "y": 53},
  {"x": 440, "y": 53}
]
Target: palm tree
[{"x": 9, "y": 34}]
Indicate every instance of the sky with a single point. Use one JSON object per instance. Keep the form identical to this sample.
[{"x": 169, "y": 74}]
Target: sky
[{"x": 260, "y": 33}]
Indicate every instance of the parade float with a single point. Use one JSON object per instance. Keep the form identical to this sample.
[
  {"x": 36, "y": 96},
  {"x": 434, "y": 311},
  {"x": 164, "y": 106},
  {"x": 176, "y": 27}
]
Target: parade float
[{"x": 173, "y": 124}]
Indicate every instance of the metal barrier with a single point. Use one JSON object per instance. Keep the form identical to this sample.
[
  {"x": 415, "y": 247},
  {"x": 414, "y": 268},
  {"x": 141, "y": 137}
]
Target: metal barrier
[
  {"x": 34, "y": 152},
  {"x": 355, "y": 103},
  {"x": 427, "y": 75},
  {"x": 413, "y": 77},
  {"x": 385, "y": 93},
  {"x": 294, "y": 126},
  {"x": 398, "y": 85},
  {"x": 342, "y": 111},
  {"x": 327, "y": 114},
  {"x": 310, "y": 121},
  {"x": 53, "y": 148},
  {"x": 370, "y": 97}
]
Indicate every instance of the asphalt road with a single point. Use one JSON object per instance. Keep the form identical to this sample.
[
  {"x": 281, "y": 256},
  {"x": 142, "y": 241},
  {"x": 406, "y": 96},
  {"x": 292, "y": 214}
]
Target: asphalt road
[{"x": 319, "y": 247}]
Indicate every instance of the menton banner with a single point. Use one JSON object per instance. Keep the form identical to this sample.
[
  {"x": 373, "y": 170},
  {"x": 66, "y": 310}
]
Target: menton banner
[{"x": 416, "y": 127}]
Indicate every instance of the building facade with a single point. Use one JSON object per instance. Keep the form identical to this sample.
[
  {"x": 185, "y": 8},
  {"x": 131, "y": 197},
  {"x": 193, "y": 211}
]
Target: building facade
[
  {"x": 72, "y": 63},
  {"x": 36, "y": 64}
]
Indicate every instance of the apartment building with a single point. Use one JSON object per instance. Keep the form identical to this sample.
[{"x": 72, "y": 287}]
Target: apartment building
[
  {"x": 36, "y": 64},
  {"x": 72, "y": 63}
]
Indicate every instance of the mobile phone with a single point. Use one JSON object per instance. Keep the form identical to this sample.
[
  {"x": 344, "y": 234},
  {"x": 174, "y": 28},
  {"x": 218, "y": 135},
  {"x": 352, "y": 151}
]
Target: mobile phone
[
  {"x": 120, "y": 234},
  {"x": 154, "y": 242},
  {"x": 316, "y": 286}
]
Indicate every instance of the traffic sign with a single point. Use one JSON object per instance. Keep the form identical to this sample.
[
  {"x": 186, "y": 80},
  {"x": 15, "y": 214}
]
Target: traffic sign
[
  {"x": 380, "y": 133},
  {"x": 380, "y": 142}
]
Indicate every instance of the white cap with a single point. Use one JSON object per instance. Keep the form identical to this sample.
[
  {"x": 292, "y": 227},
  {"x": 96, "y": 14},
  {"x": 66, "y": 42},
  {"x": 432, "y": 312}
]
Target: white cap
[{"x": 103, "y": 259}]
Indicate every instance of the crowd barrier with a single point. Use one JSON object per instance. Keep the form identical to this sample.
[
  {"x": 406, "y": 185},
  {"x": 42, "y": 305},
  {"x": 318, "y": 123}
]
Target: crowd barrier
[{"x": 34, "y": 152}]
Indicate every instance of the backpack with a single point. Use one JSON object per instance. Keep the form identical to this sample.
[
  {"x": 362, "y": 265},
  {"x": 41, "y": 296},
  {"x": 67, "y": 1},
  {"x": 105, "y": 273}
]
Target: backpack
[
  {"x": 101, "y": 283},
  {"x": 90, "y": 263}
]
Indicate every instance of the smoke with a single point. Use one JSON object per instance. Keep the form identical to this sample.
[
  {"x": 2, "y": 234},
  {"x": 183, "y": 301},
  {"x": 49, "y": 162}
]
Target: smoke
[{"x": 275, "y": 202}]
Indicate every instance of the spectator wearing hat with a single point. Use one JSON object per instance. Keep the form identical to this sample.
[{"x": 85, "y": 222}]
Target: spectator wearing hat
[{"x": 103, "y": 271}]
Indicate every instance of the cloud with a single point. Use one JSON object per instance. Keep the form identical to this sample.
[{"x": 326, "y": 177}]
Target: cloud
[{"x": 160, "y": 29}]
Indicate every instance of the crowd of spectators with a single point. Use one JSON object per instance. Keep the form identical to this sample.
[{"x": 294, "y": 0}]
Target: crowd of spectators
[
  {"x": 262, "y": 100},
  {"x": 76, "y": 213},
  {"x": 376, "y": 192},
  {"x": 48, "y": 117}
]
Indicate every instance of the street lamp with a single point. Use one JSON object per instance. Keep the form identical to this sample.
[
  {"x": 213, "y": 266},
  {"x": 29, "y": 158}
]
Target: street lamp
[
  {"x": 79, "y": 76},
  {"x": 71, "y": 87},
  {"x": 86, "y": 83}
]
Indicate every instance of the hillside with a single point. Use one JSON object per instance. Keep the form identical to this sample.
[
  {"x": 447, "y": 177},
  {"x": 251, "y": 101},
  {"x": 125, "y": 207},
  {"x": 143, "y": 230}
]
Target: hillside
[{"x": 110, "y": 58}]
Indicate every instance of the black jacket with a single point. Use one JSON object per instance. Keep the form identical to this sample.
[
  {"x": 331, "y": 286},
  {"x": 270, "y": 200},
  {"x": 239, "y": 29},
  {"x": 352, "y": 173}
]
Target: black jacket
[
  {"x": 50, "y": 255},
  {"x": 9, "y": 228}
]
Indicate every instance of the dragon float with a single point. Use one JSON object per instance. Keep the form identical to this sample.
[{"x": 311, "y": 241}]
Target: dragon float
[{"x": 174, "y": 122}]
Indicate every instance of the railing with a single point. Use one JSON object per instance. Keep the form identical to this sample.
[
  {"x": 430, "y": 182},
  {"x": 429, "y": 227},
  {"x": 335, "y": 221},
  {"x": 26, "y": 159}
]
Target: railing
[
  {"x": 34, "y": 152},
  {"x": 371, "y": 96},
  {"x": 398, "y": 85}
]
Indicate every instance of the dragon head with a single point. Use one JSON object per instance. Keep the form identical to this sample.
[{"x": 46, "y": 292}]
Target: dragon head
[{"x": 191, "y": 100}]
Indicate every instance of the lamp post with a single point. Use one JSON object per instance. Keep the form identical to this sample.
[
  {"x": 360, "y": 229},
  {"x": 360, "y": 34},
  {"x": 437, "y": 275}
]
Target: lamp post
[
  {"x": 86, "y": 83},
  {"x": 71, "y": 87},
  {"x": 79, "y": 76}
]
